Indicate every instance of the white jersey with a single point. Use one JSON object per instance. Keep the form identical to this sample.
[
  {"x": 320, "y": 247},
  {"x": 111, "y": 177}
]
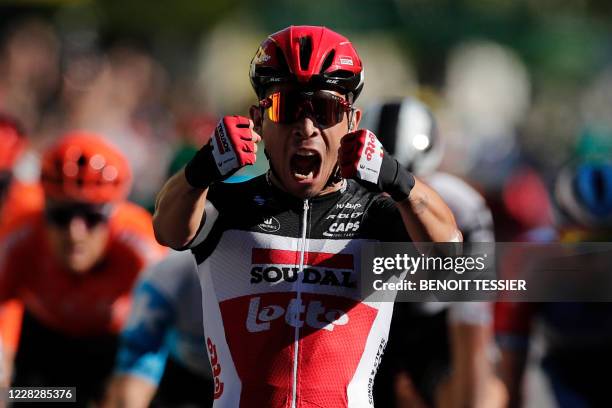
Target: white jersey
[
  {"x": 286, "y": 323},
  {"x": 475, "y": 221}
]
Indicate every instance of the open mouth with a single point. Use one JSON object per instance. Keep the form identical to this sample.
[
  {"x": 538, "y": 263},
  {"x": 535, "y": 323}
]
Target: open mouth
[{"x": 305, "y": 165}]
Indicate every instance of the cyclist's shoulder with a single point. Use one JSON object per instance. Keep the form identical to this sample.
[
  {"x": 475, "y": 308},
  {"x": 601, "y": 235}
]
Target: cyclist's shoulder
[
  {"x": 22, "y": 229},
  {"x": 23, "y": 201},
  {"x": 128, "y": 215},
  {"x": 132, "y": 231}
]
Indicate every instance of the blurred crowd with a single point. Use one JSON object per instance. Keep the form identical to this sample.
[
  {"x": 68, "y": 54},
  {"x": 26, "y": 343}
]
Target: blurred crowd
[{"x": 505, "y": 136}]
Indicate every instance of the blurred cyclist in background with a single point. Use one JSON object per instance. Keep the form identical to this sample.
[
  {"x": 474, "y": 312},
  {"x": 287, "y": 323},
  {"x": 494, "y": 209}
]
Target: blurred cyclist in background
[
  {"x": 438, "y": 353},
  {"x": 578, "y": 336},
  {"x": 73, "y": 264},
  {"x": 17, "y": 198},
  {"x": 161, "y": 360}
]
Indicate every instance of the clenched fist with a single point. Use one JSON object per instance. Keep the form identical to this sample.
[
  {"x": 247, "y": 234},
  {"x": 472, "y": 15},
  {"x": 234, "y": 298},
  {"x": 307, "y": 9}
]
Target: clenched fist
[
  {"x": 362, "y": 157},
  {"x": 233, "y": 145}
]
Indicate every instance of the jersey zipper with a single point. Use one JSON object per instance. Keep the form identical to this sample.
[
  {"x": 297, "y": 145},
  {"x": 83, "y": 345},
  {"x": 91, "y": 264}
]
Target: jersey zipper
[{"x": 296, "y": 333}]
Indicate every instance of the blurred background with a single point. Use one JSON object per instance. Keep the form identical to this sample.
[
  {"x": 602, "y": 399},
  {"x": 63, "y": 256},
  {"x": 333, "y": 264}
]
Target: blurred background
[{"x": 519, "y": 87}]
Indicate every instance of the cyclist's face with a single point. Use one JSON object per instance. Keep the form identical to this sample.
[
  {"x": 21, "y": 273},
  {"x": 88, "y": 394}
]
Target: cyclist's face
[
  {"x": 304, "y": 152},
  {"x": 78, "y": 235}
]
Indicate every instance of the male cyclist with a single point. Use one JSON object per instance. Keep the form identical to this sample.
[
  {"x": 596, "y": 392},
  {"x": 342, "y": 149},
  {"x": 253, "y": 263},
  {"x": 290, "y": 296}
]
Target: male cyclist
[
  {"x": 279, "y": 256},
  {"x": 73, "y": 265},
  {"x": 438, "y": 352}
]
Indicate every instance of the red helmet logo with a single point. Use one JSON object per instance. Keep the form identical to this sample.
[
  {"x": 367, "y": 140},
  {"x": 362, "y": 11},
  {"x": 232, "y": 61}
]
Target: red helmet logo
[{"x": 312, "y": 56}]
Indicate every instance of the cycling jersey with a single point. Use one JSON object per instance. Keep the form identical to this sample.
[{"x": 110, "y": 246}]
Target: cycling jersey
[
  {"x": 90, "y": 304},
  {"x": 166, "y": 319},
  {"x": 285, "y": 320}
]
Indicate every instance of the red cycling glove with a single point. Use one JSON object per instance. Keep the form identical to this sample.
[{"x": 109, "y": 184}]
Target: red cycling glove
[
  {"x": 363, "y": 158},
  {"x": 230, "y": 148}
]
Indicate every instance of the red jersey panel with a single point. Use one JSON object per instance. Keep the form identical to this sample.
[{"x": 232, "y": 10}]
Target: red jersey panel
[{"x": 94, "y": 303}]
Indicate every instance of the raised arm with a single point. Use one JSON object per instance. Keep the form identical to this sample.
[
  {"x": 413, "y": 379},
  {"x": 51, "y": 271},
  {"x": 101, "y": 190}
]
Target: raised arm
[
  {"x": 179, "y": 211},
  {"x": 427, "y": 217},
  {"x": 180, "y": 205}
]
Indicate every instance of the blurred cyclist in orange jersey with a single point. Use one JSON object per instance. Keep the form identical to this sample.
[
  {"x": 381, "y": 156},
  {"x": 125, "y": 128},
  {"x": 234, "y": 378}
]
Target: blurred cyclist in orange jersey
[
  {"x": 73, "y": 264},
  {"x": 17, "y": 198}
]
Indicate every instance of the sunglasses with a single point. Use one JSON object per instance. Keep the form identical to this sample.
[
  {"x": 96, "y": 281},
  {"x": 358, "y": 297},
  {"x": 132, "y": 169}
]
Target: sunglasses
[
  {"x": 93, "y": 215},
  {"x": 287, "y": 107}
]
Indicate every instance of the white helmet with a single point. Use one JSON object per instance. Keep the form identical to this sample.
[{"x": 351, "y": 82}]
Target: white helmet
[{"x": 408, "y": 131}]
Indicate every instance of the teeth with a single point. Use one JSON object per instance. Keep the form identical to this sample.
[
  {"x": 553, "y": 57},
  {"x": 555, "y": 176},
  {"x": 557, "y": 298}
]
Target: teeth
[
  {"x": 303, "y": 176},
  {"x": 306, "y": 153}
]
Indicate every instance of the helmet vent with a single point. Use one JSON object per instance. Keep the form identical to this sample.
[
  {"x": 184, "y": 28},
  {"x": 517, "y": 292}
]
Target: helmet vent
[
  {"x": 282, "y": 66},
  {"x": 305, "y": 52},
  {"x": 328, "y": 61}
]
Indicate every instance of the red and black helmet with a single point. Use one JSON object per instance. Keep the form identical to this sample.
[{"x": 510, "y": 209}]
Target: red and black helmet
[
  {"x": 312, "y": 56},
  {"x": 83, "y": 167}
]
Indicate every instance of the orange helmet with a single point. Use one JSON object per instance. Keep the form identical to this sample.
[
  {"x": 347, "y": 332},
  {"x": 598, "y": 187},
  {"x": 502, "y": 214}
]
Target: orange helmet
[
  {"x": 12, "y": 141},
  {"x": 83, "y": 167}
]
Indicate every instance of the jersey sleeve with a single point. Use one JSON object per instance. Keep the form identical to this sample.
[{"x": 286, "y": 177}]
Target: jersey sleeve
[
  {"x": 142, "y": 351},
  {"x": 145, "y": 340},
  {"x": 217, "y": 193}
]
